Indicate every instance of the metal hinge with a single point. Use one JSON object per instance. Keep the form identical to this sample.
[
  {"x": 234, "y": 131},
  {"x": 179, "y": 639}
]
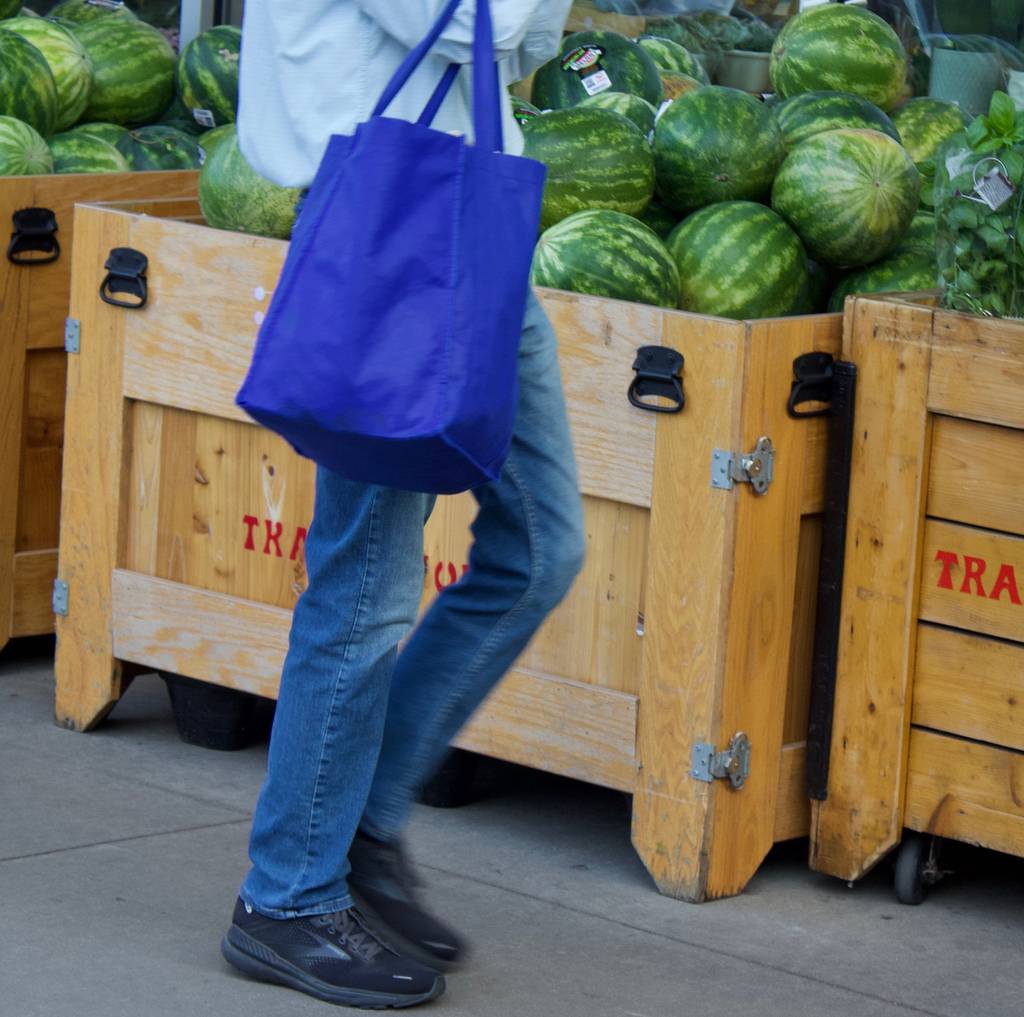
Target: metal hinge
[
  {"x": 756, "y": 468},
  {"x": 72, "y": 334},
  {"x": 60, "y": 597},
  {"x": 733, "y": 764}
]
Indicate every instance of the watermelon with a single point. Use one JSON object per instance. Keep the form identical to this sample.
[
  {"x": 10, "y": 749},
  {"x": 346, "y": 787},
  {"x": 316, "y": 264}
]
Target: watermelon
[
  {"x": 81, "y": 11},
  {"x": 27, "y": 89},
  {"x": 177, "y": 116},
  {"x": 632, "y": 107},
  {"x": 8, "y": 8},
  {"x": 920, "y": 235},
  {"x": 818, "y": 290},
  {"x": 738, "y": 259},
  {"x": 902, "y": 272},
  {"x": 522, "y": 110},
  {"x": 841, "y": 48},
  {"x": 592, "y": 62},
  {"x": 607, "y": 254},
  {"x": 74, "y": 152},
  {"x": 670, "y": 56},
  {"x": 208, "y": 76},
  {"x": 676, "y": 84},
  {"x": 160, "y": 147},
  {"x": 233, "y": 196},
  {"x": 812, "y": 113},
  {"x": 716, "y": 144},
  {"x": 595, "y": 159},
  {"x": 850, "y": 194},
  {"x": 660, "y": 219},
  {"x": 924, "y": 124},
  {"x": 68, "y": 63},
  {"x": 211, "y": 139},
  {"x": 133, "y": 70},
  {"x": 110, "y": 133},
  {"x": 23, "y": 152},
  {"x": 677, "y": 31}
]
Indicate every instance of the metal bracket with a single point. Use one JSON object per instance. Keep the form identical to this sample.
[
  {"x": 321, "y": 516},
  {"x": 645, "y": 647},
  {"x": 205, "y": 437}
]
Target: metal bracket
[
  {"x": 733, "y": 764},
  {"x": 72, "y": 335},
  {"x": 60, "y": 597},
  {"x": 756, "y": 468}
]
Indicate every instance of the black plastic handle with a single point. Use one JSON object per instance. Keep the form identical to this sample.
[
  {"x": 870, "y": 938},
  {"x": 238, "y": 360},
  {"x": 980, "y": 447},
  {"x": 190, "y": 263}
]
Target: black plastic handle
[
  {"x": 813, "y": 379},
  {"x": 659, "y": 374},
  {"x": 126, "y": 273},
  {"x": 35, "y": 232}
]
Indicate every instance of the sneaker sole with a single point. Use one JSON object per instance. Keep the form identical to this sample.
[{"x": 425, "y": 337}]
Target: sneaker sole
[
  {"x": 406, "y": 947},
  {"x": 253, "y": 958}
]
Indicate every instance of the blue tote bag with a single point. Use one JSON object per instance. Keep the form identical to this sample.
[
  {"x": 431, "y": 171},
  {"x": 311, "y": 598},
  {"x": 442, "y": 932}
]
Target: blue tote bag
[{"x": 389, "y": 349}]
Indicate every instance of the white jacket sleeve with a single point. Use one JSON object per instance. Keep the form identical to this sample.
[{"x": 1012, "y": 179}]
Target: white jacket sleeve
[{"x": 527, "y": 31}]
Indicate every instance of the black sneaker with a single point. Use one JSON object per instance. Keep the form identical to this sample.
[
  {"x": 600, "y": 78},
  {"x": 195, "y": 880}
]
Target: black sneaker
[
  {"x": 384, "y": 886},
  {"x": 338, "y": 958}
]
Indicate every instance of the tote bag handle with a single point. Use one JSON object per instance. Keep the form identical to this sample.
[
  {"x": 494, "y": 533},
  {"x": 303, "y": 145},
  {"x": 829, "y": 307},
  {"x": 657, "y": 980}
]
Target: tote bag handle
[{"x": 486, "y": 106}]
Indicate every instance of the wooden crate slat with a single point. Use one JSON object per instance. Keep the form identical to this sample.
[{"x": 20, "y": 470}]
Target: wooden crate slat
[
  {"x": 973, "y": 579},
  {"x": 241, "y": 644},
  {"x": 966, "y": 791},
  {"x": 34, "y": 573},
  {"x": 977, "y": 474},
  {"x": 970, "y": 686},
  {"x": 793, "y": 814}
]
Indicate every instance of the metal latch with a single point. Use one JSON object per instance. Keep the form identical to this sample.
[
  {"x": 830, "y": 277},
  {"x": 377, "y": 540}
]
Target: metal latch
[
  {"x": 60, "y": 597},
  {"x": 756, "y": 468},
  {"x": 72, "y": 335},
  {"x": 733, "y": 764}
]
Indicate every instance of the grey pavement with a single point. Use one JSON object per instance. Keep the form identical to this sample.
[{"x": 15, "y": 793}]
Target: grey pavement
[{"x": 121, "y": 851}]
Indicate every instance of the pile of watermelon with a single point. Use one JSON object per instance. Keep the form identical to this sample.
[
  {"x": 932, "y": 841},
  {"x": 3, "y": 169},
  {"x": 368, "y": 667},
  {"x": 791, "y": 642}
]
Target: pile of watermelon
[
  {"x": 731, "y": 204},
  {"x": 91, "y": 88}
]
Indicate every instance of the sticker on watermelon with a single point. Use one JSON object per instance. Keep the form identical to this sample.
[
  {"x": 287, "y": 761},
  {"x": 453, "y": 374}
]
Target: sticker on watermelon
[
  {"x": 586, "y": 62},
  {"x": 204, "y": 118}
]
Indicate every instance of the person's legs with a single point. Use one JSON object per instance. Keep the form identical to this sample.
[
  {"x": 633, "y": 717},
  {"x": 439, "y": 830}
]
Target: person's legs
[
  {"x": 364, "y": 556},
  {"x": 528, "y": 548}
]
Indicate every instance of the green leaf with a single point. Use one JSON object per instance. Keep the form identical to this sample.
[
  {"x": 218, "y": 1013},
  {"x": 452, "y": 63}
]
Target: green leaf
[
  {"x": 977, "y": 132},
  {"x": 963, "y": 215},
  {"x": 996, "y": 240},
  {"x": 1020, "y": 240},
  {"x": 1002, "y": 114},
  {"x": 1014, "y": 163}
]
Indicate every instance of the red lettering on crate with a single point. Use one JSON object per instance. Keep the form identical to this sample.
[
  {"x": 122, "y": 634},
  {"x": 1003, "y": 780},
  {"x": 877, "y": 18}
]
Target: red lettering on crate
[
  {"x": 251, "y": 522},
  {"x": 445, "y": 572},
  {"x": 274, "y": 532},
  {"x": 974, "y": 572},
  {"x": 273, "y": 537},
  {"x": 299, "y": 543}
]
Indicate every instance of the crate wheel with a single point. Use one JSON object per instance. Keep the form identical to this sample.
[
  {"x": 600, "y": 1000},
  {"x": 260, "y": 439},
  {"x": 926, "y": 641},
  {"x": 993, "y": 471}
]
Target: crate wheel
[
  {"x": 452, "y": 786},
  {"x": 917, "y": 867}
]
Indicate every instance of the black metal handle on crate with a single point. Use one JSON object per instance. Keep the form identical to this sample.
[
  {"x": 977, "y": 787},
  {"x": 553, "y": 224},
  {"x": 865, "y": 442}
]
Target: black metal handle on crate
[
  {"x": 126, "y": 273},
  {"x": 35, "y": 232},
  {"x": 659, "y": 374}
]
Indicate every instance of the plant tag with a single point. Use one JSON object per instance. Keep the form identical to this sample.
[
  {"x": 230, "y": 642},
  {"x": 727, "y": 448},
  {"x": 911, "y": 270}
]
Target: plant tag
[
  {"x": 596, "y": 83},
  {"x": 204, "y": 118},
  {"x": 111, "y": 5},
  {"x": 995, "y": 189}
]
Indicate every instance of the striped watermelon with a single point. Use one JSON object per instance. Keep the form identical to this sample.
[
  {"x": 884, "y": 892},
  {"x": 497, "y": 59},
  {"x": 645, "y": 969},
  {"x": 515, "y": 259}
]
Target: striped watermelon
[
  {"x": 716, "y": 144},
  {"x": 81, "y": 11},
  {"x": 233, "y": 196},
  {"x": 739, "y": 259},
  {"x": 68, "y": 62},
  {"x": 670, "y": 56},
  {"x": 660, "y": 219},
  {"x": 110, "y": 133},
  {"x": 920, "y": 235},
  {"x": 850, "y": 194},
  {"x": 211, "y": 139},
  {"x": 595, "y": 159},
  {"x": 812, "y": 113},
  {"x": 906, "y": 272},
  {"x": 160, "y": 147},
  {"x": 676, "y": 84},
  {"x": 632, "y": 107},
  {"x": 74, "y": 152},
  {"x": 208, "y": 76},
  {"x": 23, "y": 152},
  {"x": 606, "y": 61},
  {"x": 607, "y": 254},
  {"x": 841, "y": 48},
  {"x": 177, "y": 116},
  {"x": 924, "y": 124},
  {"x": 133, "y": 70},
  {"x": 27, "y": 89}
]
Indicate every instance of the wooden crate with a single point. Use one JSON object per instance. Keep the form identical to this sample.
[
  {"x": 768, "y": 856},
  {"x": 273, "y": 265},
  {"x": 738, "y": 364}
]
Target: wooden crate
[
  {"x": 929, "y": 721},
  {"x": 183, "y": 527},
  {"x": 33, "y": 305},
  {"x": 585, "y": 16}
]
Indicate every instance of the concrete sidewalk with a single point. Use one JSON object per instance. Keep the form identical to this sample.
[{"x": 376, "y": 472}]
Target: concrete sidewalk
[{"x": 121, "y": 851}]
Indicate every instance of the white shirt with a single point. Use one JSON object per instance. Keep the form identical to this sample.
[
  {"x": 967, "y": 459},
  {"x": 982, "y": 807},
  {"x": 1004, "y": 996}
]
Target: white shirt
[{"x": 313, "y": 68}]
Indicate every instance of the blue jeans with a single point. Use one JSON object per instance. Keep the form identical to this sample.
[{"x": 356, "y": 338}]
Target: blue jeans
[{"x": 360, "y": 726}]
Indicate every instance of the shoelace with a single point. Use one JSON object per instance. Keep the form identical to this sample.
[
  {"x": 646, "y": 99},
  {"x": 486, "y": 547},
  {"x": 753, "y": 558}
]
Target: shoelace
[{"x": 348, "y": 926}]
